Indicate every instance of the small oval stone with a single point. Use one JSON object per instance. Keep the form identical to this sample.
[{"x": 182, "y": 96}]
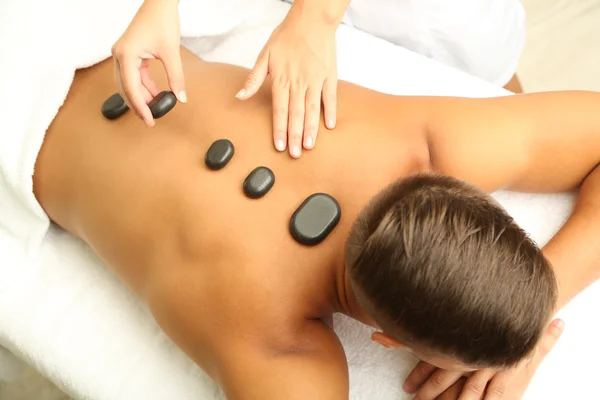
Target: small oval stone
[
  {"x": 259, "y": 182},
  {"x": 114, "y": 107},
  {"x": 162, "y": 103},
  {"x": 314, "y": 220},
  {"x": 219, "y": 154}
]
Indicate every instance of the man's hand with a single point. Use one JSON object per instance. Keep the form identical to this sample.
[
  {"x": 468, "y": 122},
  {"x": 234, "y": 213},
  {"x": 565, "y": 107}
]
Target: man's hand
[{"x": 487, "y": 384}]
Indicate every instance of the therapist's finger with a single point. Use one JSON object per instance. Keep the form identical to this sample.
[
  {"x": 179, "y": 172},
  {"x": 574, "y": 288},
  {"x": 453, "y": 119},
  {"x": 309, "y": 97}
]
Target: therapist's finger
[
  {"x": 148, "y": 82},
  {"x": 330, "y": 102},
  {"x": 256, "y": 78},
  {"x": 312, "y": 117},
  {"x": 147, "y": 95},
  {"x": 132, "y": 86},
  {"x": 296, "y": 120},
  {"x": 171, "y": 60},
  {"x": 118, "y": 81},
  {"x": 281, "y": 102}
]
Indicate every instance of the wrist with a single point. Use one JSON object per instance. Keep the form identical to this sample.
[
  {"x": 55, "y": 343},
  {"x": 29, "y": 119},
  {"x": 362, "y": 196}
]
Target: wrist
[
  {"x": 326, "y": 14},
  {"x": 165, "y": 3}
]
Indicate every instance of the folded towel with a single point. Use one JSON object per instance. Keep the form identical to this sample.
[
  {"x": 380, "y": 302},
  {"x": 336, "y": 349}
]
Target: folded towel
[{"x": 64, "y": 312}]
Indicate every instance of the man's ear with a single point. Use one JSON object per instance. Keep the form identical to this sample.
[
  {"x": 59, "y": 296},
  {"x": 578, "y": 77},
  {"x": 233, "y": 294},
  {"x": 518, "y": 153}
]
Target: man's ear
[{"x": 386, "y": 340}]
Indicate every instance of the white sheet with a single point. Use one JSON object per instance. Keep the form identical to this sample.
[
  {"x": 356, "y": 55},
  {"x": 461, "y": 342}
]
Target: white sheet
[{"x": 64, "y": 312}]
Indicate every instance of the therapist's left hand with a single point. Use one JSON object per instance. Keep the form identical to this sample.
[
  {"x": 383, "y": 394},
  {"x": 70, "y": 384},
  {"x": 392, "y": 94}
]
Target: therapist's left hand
[
  {"x": 300, "y": 58},
  {"x": 487, "y": 384}
]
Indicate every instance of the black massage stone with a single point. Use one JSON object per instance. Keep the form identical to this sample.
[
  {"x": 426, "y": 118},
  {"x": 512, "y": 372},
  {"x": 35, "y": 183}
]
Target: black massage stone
[
  {"x": 114, "y": 107},
  {"x": 162, "y": 103},
  {"x": 315, "y": 219},
  {"x": 259, "y": 182},
  {"x": 219, "y": 154}
]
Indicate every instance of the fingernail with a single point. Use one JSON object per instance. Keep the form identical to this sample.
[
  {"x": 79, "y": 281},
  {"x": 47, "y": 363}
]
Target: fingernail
[
  {"x": 280, "y": 145},
  {"x": 150, "y": 123},
  {"x": 296, "y": 151},
  {"x": 241, "y": 93},
  {"x": 182, "y": 96},
  {"x": 408, "y": 388},
  {"x": 416, "y": 397},
  {"x": 331, "y": 123},
  {"x": 560, "y": 324},
  {"x": 308, "y": 142}
]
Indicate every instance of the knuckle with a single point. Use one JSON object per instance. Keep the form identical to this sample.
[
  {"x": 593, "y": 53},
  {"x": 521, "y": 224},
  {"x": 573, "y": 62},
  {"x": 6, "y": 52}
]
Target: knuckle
[
  {"x": 497, "y": 390},
  {"x": 295, "y": 134},
  {"x": 297, "y": 113},
  {"x": 311, "y": 129},
  {"x": 422, "y": 369},
  {"x": 176, "y": 81},
  {"x": 474, "y": 388},
  {"x": 299, "y": 82},
  {"x": 437, "y": 380},
  {"x": 118, "y": 51},
  {"x": 252, "y": 80},
  {"x": 280, "y": 133},
  {"x": 314, "y": 107},
  {"x": 281, "y": 81}
]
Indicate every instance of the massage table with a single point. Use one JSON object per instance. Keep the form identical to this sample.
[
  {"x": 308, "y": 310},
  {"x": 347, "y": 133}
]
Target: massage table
[{"x": 66, "y": 314}]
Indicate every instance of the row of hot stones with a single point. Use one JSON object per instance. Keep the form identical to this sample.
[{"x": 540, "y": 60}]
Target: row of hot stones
[{"x": 312, "y": 221}]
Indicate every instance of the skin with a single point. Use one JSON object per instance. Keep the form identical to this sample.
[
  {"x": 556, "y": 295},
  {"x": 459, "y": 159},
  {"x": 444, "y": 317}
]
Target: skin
[
  {"x": 220, "y": 272},
  {"x": 300, "y": 60}
]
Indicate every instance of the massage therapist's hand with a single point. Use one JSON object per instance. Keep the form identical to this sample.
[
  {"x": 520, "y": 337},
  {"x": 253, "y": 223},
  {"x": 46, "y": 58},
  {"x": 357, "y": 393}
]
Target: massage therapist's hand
[
  {"x": 431, "y": 383},
  {"x": 153, "y": 33},
  {"x": 300, "y": 59}
]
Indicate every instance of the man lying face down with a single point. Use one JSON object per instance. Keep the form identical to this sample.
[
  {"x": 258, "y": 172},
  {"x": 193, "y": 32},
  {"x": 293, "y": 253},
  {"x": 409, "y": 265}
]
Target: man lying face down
[{"x": 420, "y": 252}]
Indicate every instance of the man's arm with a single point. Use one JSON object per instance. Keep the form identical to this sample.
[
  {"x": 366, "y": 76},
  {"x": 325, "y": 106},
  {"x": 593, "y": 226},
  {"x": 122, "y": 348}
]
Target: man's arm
[
  {"x": 546, "y": 142},
  {"x": 316, "y": 369}
]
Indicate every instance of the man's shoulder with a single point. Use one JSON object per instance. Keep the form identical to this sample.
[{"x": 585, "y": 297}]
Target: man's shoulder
[{"x": 305, "y": 361}]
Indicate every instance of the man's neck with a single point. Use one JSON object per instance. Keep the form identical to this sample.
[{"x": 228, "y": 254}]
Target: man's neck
[{"x": 346, "y": 298}]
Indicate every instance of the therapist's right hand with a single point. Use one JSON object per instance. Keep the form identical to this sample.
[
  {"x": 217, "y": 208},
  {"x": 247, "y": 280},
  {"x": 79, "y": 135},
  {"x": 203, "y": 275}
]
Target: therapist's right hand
[{"x": 152, "y": 34}]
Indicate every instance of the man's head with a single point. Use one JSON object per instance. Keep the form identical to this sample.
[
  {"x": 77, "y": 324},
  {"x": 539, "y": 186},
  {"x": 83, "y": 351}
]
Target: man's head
[{"x": 444, "y": 270}]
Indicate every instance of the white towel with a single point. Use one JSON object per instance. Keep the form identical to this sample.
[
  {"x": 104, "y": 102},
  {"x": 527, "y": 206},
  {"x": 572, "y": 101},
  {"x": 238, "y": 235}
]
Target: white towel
[
  {"x": 10, "y": 366},
  {"x": 64, "y": 312}
]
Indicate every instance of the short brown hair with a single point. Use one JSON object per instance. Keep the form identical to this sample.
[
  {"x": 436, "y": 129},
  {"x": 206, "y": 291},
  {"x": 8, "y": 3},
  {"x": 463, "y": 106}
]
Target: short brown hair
[{"x": 443, "y": 267}]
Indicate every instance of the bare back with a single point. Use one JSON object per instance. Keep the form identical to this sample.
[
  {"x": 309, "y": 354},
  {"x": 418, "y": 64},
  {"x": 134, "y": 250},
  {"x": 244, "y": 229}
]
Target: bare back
[{"x": 186, "y": 239}]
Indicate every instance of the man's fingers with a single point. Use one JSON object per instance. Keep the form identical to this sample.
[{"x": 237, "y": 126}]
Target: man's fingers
[
  {"x": 312, "y": 117},
  {"x": 172, "y": 63},
  {"x": 419, "y": 375},
  {"x": 132, "y": 86},
  {"x": 296, "y": 120},
  {"x": 453, "y": 391},
  {"x": 255, "y": 79},
  {"x": 437, "y": 384},
  {"x": 330, "y": 102},
  {"x": 549, "y": 340},
  {"x": 476, "y": 384},
  {"x": 148, "y": 82},
  {"x": 518, "y": 378},
  {"x": 281, "y": 101}
]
